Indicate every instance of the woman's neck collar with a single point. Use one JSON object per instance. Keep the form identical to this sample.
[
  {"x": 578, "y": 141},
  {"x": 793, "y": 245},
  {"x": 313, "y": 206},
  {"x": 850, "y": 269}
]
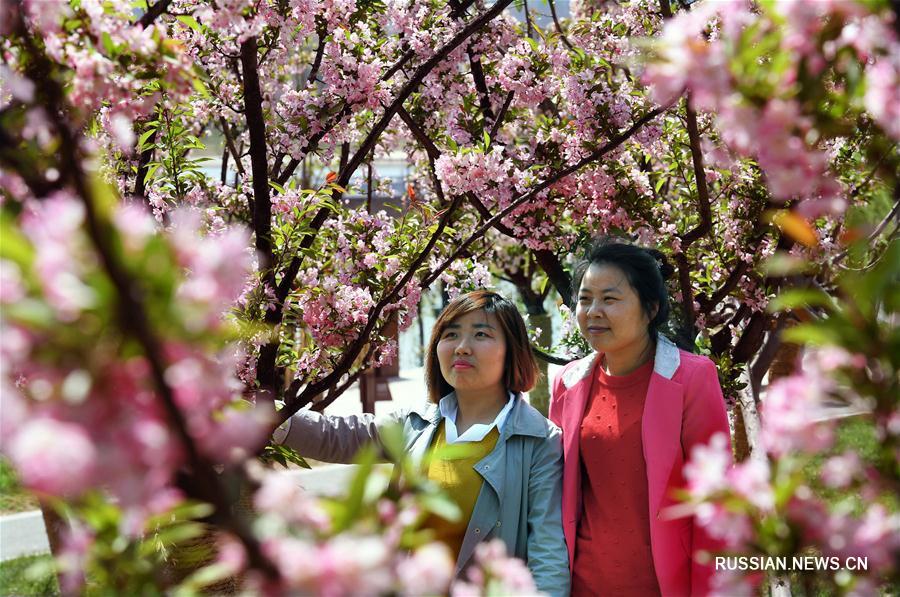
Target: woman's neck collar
[
  {"x": 481, "y": 406},
  {"x": 623, "y": 364}
]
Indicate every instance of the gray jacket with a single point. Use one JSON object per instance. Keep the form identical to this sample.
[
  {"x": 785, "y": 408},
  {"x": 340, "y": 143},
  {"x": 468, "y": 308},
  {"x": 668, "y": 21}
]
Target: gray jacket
[{"x": 521, "y": 494}]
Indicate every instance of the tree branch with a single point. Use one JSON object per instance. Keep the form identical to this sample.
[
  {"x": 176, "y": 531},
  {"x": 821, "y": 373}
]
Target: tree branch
[
  {"x": 549, "y": 181},
  {"x": 153, "y": 13},
  {"x": 549, "y": 358},
  {"x": 499, "y": 121},
  {"x": 559, "y": 30},
  {"x": 132, "y": 313},
  {"x": 705, "y": 224},
  {"x": 140, "y": 181},
  {"x": 229, "y": 144},
  {"x": 262, "y": 209},
  {"x": 320, "y": 51},
  {"x": 484, "y": 98},
  {"x": 418, "y": 75}
]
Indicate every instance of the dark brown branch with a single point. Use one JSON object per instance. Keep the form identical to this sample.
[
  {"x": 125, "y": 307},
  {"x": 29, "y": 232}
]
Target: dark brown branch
[
  {"x": 397, "y": 66},
  {"x": 335, "y": 391},
  {"x": 499, "y": 121},
  {"x": 369, "y": 143},
  {"x": 559, "y": 277},
  {"x": 427, "y": 144},
  {"x": 720, "y": 342},
  {"x": 766, "y": 355},
  {"x": 556, "y": 24},
  {"x": 546, "y": 260},
  {"x": 665, "y": 8},
  {"x": 529, "y": 30},
  {"x": 687, "y": 331},
  {"x": 705, "y": 224},
  {"x": 484, "y": 98},
  {"x": 418, "y": 75},
  {"x": 549, "y": 358},
  {"x": 751, "y": 338},
  {"x": 707, "y": 304},
  {"x": 320, "y": 51},
  {"x": 140, "y": 180},
  {"x": 223, "y": 171},
  {"x": 262, "y": 208},
  {"x": 312, "y": 144},
  {"x": 153, "y": 13},
  {"x": 229, "y": 144}
]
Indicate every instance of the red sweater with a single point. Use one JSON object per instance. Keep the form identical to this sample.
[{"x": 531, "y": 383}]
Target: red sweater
[{"x": 612, "y": 550}]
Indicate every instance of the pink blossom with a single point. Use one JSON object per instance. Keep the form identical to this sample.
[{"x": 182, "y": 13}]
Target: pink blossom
[
  {"x": 751, "y": 480},
  {"x": 54, "y": 457},
  {"x": 428, "y": 570},
  {"x": 11, "y": 288},
  {"x": 839, "y": 471},
  {"x": 789, "y": 412},
  {"x": 882, "y": 97},
  {"x": 708, "y": 466}
]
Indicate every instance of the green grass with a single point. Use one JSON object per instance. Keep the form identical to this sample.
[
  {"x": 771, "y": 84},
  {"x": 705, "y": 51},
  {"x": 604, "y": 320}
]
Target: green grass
[
  {"x": 12, "y": 497},
  {"x": 31, "y": 575},
  {"x": 854, "y": 434}
]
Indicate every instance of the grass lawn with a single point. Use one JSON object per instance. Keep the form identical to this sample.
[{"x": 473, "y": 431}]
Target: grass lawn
[
  {"x": 12, "y": 497},
  {"x": 28, "y": 576}
]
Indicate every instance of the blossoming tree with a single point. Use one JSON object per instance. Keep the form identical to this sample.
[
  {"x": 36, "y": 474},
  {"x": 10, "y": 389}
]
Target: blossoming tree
[{"x": 143, "y": 296}]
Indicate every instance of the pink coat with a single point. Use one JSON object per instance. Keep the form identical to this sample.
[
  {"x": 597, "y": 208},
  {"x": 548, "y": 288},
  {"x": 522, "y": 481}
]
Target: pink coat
[{"x": 684, "y": 407}]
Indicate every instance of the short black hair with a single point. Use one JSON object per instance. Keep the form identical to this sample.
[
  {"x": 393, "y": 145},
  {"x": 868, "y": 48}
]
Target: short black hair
[{"x": 645, "y": 269}]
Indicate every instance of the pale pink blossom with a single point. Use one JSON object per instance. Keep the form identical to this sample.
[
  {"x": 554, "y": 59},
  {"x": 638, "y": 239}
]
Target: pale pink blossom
[
  {"x": 708, "y": 466},
  {"x": 428, "y": 570},
  {"x": 839, "y": 471},
  {"x": 54, "y": 457}
]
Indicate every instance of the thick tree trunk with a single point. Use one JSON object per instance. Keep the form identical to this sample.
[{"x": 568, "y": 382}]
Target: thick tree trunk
[{"x": 786, "y": 361}]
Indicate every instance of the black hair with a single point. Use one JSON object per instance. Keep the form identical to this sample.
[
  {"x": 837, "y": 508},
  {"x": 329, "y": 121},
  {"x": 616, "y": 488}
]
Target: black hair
[{"x": 645, "y": 269}]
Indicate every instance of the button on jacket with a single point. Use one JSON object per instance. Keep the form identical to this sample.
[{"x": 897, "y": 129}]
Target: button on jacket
[{"x": 519, "y": 501}]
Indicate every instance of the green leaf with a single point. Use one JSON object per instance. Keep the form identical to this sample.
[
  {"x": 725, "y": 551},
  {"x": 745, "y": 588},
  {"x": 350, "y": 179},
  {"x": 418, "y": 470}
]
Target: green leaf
[
  {"x": 800, "y": 297},
  {"x": 392, "y": 440},
  {"x": 783, "y": 264},
  {"x": 819, "y": 335},
  {"x": 14, "y": 246},
  {"x": 108, "y": 44},
  {"x": 143, "y": 138},
  {"x": 441, "y": 505},
  {"x": 190, "y": 22}
]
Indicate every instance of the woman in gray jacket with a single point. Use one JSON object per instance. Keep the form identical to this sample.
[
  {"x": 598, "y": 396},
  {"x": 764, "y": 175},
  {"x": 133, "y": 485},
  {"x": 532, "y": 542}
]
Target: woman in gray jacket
[{"x": 509, "y": 485}]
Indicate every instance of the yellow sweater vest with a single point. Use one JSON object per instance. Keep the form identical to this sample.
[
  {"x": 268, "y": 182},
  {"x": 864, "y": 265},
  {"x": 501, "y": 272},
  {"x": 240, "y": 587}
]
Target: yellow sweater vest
[{"x": 456, "y": 475}]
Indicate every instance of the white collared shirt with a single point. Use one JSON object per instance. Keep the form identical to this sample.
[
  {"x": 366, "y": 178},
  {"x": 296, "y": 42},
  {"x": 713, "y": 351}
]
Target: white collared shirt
[{"x": 450, "y": 408}]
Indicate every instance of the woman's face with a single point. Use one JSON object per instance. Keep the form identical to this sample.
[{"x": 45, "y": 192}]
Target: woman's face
[
  {"x": 609, "y": 311},
  {"x": 472, "y": 352}
]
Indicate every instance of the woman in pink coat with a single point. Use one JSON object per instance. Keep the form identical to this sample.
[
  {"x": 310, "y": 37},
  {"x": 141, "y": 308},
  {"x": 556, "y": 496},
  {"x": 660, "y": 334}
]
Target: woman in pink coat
[{"x": 630, "y": 413}]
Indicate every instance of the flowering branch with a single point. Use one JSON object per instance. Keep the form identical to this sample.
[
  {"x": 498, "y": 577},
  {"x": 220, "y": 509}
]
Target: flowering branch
[
  {"x": 546, "y": 183},
  {"x": 133, "y": 319}
]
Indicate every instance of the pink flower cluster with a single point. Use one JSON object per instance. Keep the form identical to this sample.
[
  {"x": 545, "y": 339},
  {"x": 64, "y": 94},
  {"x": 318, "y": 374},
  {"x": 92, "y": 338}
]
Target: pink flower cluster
[
  {"x": 296, "y": 533},
  {"x": 77, "y": 420},
  {"x": 495, "y": 573},
  {"x": 696, "y": 52}
]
